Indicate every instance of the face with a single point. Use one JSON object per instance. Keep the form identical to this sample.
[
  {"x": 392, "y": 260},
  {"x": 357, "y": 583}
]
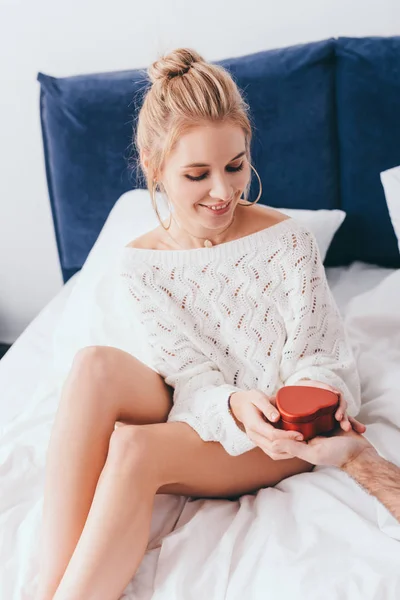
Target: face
[{"x": 208, "y": 167}]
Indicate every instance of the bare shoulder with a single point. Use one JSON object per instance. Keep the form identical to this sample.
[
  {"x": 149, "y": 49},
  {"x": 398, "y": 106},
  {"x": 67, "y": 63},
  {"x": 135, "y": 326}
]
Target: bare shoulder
[
  {"x": 253, "y": 219},
  {"x": 147, "y": 241},
  {"x": 263, "y": 216}
]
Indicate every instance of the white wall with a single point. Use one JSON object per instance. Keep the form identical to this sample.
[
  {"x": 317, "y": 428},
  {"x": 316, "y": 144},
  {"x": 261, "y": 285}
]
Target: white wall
[{"x": 68, "y": 38}]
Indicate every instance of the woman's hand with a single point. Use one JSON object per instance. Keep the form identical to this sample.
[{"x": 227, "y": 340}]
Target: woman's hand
[
  {"x": 337, "y": 450},
  {"x": 253, "y": 409},
  {"x": 340, "y": 414}
]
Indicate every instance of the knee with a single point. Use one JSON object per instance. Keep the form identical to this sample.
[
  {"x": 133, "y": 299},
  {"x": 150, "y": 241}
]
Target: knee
[
  {"x": 132, "y": 447},
  {"x": 97, "y": 362}
]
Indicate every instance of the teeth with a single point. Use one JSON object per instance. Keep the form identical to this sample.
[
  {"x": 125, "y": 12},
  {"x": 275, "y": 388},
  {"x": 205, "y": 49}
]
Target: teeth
[{"x": 220, "y": 207}]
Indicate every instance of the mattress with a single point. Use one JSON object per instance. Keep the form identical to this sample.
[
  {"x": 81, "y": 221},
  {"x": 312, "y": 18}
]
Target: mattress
[{"x": 219, "y": 548}]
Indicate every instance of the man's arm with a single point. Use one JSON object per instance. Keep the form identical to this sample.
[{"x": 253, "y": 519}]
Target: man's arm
[
  {"x": 355, "y": 455},
  {"x": 378, "y": 476}
]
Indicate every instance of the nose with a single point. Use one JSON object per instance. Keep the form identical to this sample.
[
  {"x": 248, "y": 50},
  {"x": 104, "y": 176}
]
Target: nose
[{"x": 221, "y": 189}]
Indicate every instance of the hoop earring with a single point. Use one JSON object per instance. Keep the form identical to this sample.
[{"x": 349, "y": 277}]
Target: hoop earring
[
  {"x": 154, "y": 203},
  {"x": 259, "y": 195}
]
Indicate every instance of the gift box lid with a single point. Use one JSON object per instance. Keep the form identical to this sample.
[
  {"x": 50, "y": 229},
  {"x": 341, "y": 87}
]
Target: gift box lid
[{"x": 302, "y": 403}]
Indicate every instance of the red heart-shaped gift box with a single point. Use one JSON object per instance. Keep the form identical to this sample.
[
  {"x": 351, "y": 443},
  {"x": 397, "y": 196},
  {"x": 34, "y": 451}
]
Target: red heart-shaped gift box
[{"x": 309, "y": 410}]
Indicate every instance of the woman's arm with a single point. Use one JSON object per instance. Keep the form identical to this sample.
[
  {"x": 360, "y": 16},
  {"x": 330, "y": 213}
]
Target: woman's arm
[{"x": 317, "y": 346}]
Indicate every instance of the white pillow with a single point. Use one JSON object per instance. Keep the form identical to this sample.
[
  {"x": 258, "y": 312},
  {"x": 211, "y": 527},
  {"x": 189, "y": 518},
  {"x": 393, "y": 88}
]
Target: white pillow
[
  {"x": 323, "y": 223},
  {"x": 133, "y": 215},
  {"x": 391, "y": 184},
  {"x": 92, "y": 315}
]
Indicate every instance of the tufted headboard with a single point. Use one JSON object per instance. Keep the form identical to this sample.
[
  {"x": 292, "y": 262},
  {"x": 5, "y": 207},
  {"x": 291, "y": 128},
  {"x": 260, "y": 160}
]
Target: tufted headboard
[{"x": 326, "y": 122}]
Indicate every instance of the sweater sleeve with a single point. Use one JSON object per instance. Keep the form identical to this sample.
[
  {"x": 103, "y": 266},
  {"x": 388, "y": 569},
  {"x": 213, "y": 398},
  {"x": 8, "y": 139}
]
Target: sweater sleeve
[
  {"x": 200, "y": 396},
  {"x": 317, "y": 345}
]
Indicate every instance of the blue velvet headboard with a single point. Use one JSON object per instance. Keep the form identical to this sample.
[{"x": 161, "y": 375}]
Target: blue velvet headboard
[{"x": 326, "y": 121}]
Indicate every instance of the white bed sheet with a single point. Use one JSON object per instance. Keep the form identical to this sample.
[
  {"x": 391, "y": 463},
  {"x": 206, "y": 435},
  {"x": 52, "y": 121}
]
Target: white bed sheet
[
  {"x": 26, "y": 362},
  {"x": 247, "y": 546}
]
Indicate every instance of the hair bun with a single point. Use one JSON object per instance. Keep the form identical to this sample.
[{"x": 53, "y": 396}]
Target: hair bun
[{"x": 177, "y": 62}]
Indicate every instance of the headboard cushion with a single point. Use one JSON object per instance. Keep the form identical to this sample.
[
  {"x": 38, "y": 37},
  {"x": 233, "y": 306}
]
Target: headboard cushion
[
  {"x": 86, "y": 128},
  {"x": 87, "y": 134},
  {"x": 368, "y": 107}
]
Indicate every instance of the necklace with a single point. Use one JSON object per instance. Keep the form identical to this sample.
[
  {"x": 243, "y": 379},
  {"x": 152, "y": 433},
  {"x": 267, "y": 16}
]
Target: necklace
[{"x": 207, "y": 243}]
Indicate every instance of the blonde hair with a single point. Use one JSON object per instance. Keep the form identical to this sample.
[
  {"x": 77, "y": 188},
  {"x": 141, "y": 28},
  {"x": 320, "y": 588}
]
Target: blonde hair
[{"x": 186, "y": 91}]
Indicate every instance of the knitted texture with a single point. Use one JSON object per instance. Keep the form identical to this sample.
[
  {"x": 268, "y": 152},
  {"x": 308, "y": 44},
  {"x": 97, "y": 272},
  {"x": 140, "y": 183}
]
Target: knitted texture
[{"x": 252, "y": 313}]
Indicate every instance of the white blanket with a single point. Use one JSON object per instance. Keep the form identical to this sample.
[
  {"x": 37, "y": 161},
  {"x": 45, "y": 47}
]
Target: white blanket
[{"x": 315, "y": 535}]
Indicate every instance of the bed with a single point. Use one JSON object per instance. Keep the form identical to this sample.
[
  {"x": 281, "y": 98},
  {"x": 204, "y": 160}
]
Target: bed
[{"x": 313, "y": 535}]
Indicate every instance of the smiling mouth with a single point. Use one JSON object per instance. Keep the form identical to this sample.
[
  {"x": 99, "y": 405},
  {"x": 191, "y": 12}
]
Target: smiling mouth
[{"x": 217, "y": 208}]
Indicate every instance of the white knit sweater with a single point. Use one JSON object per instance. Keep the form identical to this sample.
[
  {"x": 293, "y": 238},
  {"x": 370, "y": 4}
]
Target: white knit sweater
[{"x": 251, "y": 313}]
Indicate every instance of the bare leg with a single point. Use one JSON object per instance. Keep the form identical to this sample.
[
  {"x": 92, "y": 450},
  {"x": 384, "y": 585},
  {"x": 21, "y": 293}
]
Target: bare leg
[
  {"x": 144, "y": 460},
  {"x": 104, "y": 385},
  {"x": 117, "y": 529}
]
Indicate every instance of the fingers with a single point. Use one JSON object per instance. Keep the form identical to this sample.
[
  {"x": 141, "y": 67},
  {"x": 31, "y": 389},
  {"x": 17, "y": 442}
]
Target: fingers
[
  {"x": 341, "y": 410},
  {"x": 357, "y": 426},
  {"x": 255, "y": 424},
  {"x": 268, "y": 447},
  {"x": 265, "y": 434},
  {"x": 268, "y": 438},
  {"x": 293, "y": 449},
  {"x": 268, "y": 431},
  {"x": 341, "y": 414},
  {"x": 268, "y": 408},
  {"x": 345, "y": 424}
]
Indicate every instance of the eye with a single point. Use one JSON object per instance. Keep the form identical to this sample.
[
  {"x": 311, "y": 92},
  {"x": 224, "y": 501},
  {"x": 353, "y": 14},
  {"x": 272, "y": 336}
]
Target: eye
[
  {"x": 236, "y": 169},
  {"x": 229, "y": 169}
]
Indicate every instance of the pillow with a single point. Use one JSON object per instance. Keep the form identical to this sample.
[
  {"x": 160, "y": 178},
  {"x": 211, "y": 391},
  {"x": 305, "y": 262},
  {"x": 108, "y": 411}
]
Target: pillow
[
  {"x": 133, "y": 215},
  {"x": 95, "y": 305},
  {"x": 323, "y": 223},
  {"x": 391, "y": 184}
]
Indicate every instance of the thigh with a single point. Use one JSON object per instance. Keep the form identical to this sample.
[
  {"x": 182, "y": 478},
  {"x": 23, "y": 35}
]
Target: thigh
[
  {"x": 136, "y": 393},
  {"x": 191, "y": 467}
]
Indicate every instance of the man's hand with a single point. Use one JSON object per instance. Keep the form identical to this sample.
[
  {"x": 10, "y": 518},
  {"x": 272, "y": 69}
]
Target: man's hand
[
  {"x": 336, "y": 449},
  {"x": 351, "y": 452}
]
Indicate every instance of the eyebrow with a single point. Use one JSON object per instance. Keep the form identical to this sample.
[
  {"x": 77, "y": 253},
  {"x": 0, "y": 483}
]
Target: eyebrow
[{"x": 205, "y": 165}]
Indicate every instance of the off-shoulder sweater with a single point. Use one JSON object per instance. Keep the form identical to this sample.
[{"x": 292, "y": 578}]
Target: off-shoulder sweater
[{"x": 251, "y": 313}]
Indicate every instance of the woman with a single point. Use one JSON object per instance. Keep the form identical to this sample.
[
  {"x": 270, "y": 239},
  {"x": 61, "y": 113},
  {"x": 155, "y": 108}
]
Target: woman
[{"x": 236, "y": 304}]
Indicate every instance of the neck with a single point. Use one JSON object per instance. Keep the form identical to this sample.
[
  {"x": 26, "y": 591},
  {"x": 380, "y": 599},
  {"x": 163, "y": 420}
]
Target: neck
[{"x": 187, "y": 236}]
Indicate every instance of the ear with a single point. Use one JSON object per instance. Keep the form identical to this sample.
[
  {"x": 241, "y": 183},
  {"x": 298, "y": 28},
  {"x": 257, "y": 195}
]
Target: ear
[{"x": 144, "y": 160}]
